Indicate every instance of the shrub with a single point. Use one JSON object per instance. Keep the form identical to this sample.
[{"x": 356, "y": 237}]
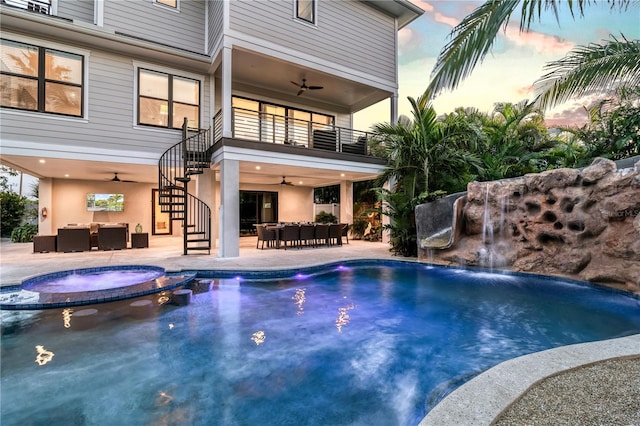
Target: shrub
[
  {"x": 24, "y": 233},
  {"x": 12, "y": 208},
  {"x": 358, "y": 227},
  {"x": 324, "y": 217}
]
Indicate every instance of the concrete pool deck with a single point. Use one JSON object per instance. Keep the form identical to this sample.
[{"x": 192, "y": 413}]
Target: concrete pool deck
[{"x": 478, "y": 402}]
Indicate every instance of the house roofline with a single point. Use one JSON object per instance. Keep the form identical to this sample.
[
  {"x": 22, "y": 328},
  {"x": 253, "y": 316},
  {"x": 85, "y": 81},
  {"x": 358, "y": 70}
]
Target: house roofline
[{"x": 403, "y": 10}]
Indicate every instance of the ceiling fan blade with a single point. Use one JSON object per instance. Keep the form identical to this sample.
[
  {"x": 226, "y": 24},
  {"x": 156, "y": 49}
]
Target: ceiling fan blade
[
  {"x": 295, "y": 84},
  {"x": 284, "y": 182},
  {"x": 300, "y": 92},
  {"x": 315, "y": 87}
]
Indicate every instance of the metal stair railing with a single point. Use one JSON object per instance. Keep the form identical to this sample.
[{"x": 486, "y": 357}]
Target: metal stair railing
[{"x": 188, "y": 157}]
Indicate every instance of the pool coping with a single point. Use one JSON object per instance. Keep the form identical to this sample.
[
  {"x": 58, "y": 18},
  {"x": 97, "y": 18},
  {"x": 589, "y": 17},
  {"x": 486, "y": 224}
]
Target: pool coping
[{"x": 481, "y": 400}]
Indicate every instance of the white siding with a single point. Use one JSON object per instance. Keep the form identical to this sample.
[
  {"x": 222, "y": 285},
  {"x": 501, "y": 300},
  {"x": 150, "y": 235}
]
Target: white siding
[
  {"x": 347, "y": 33},
  {"x": 111, "y": 115},
  {"x": 184, "y": 29},
  {"x": 78, "y": 10},
  {"x": 216, "y": 22}
]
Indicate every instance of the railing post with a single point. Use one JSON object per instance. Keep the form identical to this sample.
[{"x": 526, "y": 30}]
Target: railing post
[{"x": 185, "y": 218}]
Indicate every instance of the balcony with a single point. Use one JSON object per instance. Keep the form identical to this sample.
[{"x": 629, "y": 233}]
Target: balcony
[
  {"x": 288, "y": 131},
  {"x": 36, "y": 6}
]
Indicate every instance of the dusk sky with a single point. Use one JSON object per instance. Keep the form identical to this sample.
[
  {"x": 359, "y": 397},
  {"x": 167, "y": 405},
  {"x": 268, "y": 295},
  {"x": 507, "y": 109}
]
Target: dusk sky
[{"x": 515, "y": 63}]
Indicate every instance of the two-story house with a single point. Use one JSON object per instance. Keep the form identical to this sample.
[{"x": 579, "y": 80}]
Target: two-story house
[{"x": 96, "y": 94}]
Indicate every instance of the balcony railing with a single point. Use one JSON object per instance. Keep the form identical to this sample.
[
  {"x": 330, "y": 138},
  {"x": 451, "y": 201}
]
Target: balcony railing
[
  {"x": 37, "y": 6},
  {"x": 278, "y": 129}
]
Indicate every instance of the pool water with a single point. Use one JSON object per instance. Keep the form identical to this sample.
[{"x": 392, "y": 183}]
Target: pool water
[{"x": 360, "y": 345}]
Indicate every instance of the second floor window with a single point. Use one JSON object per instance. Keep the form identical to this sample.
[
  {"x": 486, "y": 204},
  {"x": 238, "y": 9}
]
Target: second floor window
[
  {"x": 165, "y": 99},
  {"x": 305, "y": 10},
  {"x": 170, "y": 3},
  {"x": 39, "y": 79}
]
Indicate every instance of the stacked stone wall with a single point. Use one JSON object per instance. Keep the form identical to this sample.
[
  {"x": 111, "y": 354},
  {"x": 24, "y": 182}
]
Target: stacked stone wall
[{"x": 583, "y": 224}]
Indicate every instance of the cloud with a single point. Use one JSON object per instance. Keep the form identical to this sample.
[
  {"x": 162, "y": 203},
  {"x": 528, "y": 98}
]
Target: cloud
[
  {"x": 444, "y": 19},
  {"x": 542, "y": 43},
  {"x": 427, "y": 7},
  {"x": 408, "y": 39},
  {"x": 570, "y": 117},
  {"x": 527, "y": 92}
]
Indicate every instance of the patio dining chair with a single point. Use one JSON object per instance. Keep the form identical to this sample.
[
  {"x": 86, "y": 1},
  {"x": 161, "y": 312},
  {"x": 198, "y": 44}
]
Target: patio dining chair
[
  {"x": 290, "y": 234},
  {"x": 345, "y": 231},
  {"x": 335, "y": 234},
  {"x": 322, "y": 234},
  {"x": 307, "y": 235},
  {"x": 265, "y": 235}
]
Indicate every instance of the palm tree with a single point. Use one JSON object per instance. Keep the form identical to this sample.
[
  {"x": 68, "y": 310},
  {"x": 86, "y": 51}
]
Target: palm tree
[
  {"x": 516, "y": 137},
  {"x": 593, "y": 68},
  {"x": 473, "y": 38},
  {"x": 422, "y": 155}
]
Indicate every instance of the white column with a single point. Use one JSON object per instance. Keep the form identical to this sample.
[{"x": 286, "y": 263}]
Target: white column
[
  {"x": 394, "y": 108},
  {"x": 229, "y": 210},
  {"x": 45, "y": 201},
  {"x": 346, "y": 201},
  {"x": 226, "y": 93}
]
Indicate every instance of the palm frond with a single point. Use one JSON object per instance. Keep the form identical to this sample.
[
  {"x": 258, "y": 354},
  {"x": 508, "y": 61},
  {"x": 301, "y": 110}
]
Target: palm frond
[
  {"x": 472, "y": 39},
  {"x": 593, "y": 68},
  {"x": 470, "y": 42}
]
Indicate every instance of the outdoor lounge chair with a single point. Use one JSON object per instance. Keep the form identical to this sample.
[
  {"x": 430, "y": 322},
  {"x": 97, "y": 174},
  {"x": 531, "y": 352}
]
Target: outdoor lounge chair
[
  {"x": 112, "y": 238},
  {"x": 74, "y": 239}
]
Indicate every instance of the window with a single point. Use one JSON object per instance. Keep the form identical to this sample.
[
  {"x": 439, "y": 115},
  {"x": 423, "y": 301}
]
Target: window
[
  {"x": 165, "y": 99},
  {"x": 267, "y": 122},
  {"x": 306, "y": 10},
  {"x": 170, "y": 3},
  {"x": 38, "y": 79}
]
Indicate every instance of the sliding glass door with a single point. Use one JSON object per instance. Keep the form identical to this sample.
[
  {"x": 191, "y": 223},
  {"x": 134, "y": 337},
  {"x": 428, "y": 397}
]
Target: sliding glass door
[{"x": 257, "y": 207}]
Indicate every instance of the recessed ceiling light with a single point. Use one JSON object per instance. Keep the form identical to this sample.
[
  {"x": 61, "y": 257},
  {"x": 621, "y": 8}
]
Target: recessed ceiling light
[
  {"x": 42, "y": 161},
  {"x": 66, "y": 175},
  {"x": 341, "y": 174},
  {"x": 300, "y": 182},
  {"x": 257, "y": 167}
]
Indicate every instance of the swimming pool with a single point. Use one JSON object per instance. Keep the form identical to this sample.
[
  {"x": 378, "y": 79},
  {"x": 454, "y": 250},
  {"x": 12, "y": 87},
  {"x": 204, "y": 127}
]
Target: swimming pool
[{"x": 360, "y": 343}]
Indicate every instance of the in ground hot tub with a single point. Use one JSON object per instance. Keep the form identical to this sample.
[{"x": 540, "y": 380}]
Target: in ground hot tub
[{"x": 88, "y": 286}]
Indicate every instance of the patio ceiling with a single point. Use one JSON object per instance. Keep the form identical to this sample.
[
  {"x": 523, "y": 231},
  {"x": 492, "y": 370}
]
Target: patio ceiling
[
  {"x": 267, "y": 174},
  {"x": 267, "y": 76}
]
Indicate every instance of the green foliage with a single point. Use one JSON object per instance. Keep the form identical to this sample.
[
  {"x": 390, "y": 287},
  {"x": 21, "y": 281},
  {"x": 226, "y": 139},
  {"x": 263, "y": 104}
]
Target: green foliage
[
  {"x": 325, "y": 217},
  {"x": 12, "y": 207},
  {"x": 4, "y": 180},
  {"x": 358, "y": 227},
  {"x": 24, "y": 233},
  {"x": 596, "y": 68},
  {"x": 613, "y": 130},
  {"x": 400, "y": 207},
  {"x": 326, "y": 194}
]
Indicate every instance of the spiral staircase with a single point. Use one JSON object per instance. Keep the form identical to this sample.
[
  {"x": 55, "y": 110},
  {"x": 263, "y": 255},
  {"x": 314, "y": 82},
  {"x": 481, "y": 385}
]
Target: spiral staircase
[{"x": 191, "y": 156}]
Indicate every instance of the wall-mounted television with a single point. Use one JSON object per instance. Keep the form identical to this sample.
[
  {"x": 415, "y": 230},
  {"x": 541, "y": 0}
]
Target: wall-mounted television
[{"x": 105, "y": 202}]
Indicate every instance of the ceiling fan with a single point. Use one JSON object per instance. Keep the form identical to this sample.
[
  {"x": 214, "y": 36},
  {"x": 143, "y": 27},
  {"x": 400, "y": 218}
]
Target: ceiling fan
[
  {"x": 115, "y": 178},
  {"x": 284, "y": 182},
  {"x": 303, "y": 87}
]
